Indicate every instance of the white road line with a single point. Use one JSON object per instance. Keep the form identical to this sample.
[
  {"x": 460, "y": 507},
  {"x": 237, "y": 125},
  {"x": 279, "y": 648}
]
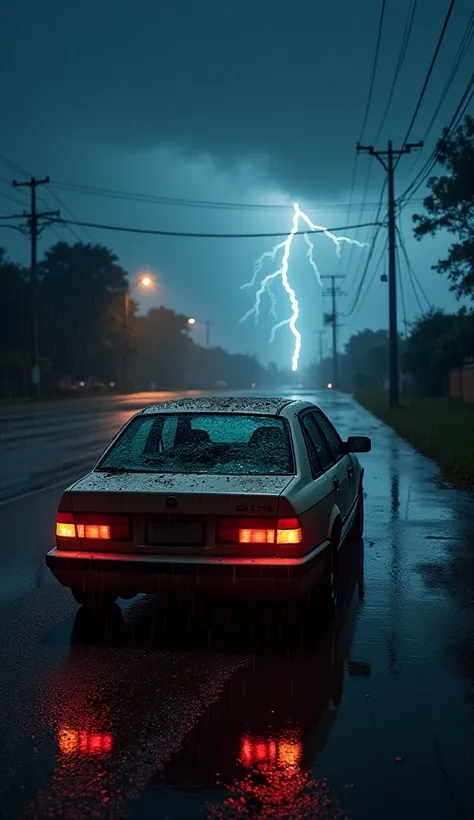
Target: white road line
[{"x": 34, "y": 492}]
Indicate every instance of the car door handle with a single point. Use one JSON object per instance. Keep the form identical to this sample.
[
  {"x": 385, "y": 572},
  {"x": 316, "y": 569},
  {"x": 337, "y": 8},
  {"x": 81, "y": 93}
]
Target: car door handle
[
  {"x": 336, "y": 483},
  {"x": 349, "y": 469}
]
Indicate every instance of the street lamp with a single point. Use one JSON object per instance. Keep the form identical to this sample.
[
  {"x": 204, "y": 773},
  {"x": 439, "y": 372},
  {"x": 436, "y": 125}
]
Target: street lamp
[
  {"x": 146, "y": 281},
  {"x": 207, "y": 324}
]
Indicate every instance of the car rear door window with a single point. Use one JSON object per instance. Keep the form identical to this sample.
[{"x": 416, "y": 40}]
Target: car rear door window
[
  {"x": 329, "y": 432},
  {"x": 318, "y": 442}
]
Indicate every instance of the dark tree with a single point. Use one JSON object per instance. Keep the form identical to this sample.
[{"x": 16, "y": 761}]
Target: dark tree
[
  {"x": 15, "y": 327},
  {"x": 82, "y": 322},
  {"x": 450, "y": 207},
  {"x": 437, "y": 343}
]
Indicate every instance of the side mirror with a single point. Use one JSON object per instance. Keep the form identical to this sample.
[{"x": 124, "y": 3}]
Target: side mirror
[{"x": 358, "y": 444}]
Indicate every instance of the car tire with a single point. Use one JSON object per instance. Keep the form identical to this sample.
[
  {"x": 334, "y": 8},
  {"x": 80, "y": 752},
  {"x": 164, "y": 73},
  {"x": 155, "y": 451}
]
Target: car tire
[
  {"x": 357, "y": 528},
  {"x": 329, "y": 582},
  {"x": 95, "y": 601}
]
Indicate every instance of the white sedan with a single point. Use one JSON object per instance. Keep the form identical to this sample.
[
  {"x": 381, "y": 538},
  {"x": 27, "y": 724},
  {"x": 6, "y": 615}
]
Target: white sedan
[{"x": 248, "y": 497}]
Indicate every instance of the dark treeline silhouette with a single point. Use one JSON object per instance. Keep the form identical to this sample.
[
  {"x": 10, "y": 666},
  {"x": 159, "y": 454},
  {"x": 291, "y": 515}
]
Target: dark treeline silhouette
[
  {"x": 437, "y": 343},
  {"x": 82, "y": 332}
]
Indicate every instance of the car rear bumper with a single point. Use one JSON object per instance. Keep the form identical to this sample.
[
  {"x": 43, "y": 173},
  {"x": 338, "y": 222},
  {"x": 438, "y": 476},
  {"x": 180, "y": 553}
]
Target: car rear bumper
[{"x": 131, "y": 574}]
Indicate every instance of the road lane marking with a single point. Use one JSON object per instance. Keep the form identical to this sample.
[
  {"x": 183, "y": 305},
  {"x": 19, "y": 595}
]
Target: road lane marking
[{"x": 30, "y": 493}]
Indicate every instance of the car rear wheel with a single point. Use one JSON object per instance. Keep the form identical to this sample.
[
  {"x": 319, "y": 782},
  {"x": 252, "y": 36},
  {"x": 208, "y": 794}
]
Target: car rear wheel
[{"x": 95, "y": 601}]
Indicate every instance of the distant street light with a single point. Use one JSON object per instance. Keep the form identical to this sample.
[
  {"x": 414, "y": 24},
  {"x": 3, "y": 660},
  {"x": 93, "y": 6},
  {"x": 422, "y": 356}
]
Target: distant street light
[
  {"x": 207, "y": 324},
  {"x": 146, "y": 281}
]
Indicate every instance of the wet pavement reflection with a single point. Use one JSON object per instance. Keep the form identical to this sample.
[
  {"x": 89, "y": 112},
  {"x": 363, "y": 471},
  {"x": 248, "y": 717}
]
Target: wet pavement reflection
[{"x": 171, "y": 711}]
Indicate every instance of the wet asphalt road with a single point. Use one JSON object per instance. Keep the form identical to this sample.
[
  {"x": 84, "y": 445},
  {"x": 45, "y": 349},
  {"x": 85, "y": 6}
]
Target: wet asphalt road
[{"x": 159, "y": 713}]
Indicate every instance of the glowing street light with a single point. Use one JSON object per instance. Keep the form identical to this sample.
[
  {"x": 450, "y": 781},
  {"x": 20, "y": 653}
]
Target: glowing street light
[
  {"x": 207, "y": 324},
  {"x": 146, "y": 281}
]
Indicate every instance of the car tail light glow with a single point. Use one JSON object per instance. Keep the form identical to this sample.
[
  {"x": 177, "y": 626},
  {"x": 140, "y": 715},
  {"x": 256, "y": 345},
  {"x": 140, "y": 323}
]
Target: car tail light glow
[
  {"x": 65, "y": 526},
  {"x": 93, "y": 527},
  {"x": 101, "y": 531},
  {"x": 289, "y": 531},
  {"x": 252, "y": 535},
  {"x": 259, "y": 531}
]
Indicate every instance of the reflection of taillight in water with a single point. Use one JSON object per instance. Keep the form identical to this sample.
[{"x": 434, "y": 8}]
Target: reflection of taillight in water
[
  {"x": 284, "y": 752},
  {"x": 83, "y": 742},
  {"x": 283, "y": 787}
]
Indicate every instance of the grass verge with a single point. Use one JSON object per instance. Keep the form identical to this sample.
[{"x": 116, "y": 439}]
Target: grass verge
[{"x": 442, "y": 429}]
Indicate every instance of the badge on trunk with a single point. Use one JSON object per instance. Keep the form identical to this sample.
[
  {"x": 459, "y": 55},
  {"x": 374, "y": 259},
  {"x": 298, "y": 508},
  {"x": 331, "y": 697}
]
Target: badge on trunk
[{"x": 171, "y": 502}]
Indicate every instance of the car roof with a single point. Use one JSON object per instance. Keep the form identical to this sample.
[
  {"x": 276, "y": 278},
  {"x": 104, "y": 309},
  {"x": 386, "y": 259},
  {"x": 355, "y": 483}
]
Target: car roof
[{"x": 226, "y": 404}]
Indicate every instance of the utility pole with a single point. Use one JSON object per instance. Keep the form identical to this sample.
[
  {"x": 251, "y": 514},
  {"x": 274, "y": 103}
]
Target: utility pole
[
  {"x": 386, "y": 160},
  {"x": 321, "y": 336},
  {"x": 207, "y": 325},
  {"x": 126, "y": 303},
  {"x": 33, "y": 220},
  {"x": 331, "y": 319}
]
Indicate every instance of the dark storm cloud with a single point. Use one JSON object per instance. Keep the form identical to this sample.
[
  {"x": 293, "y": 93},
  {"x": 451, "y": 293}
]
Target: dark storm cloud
[
  {"x": 283, "y": 83},
  {"x": 233, "y": 78}
]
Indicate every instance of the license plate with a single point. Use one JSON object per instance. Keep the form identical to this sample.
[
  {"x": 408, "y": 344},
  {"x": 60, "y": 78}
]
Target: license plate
[{"x": 178, "y": 533}]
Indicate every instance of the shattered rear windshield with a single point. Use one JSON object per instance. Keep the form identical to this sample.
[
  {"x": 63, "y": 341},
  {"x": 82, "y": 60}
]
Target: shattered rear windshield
[{"x": 216, "y": 443}]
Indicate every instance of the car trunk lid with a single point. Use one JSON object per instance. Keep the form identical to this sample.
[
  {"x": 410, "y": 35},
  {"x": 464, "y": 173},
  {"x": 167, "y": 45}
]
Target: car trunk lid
[{"x": 179, "y": 514}]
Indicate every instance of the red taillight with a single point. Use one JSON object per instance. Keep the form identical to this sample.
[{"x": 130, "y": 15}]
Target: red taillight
[
  {"x": 254, "y": 535},
  {"x": 259, "y": 531},
  {"x": 93, "y": 527}
]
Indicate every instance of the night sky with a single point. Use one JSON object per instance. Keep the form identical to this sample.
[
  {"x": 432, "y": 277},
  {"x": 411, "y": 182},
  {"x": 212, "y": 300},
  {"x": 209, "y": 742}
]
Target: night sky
[{"x": 255, "y": 103}]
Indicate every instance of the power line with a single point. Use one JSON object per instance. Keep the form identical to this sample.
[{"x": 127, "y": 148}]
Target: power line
[
  {"x": 429, "y": 73},
  {"x": 10, "y": 199},
  {"x": 430, "y": 163},
  {"x": 458, "y": 59},
  {"x": 68, "y": 211},
  {"x": 460, "y": 54},
  {"x": 364, "y": 123},
  {"x": 402, "y": 293},
  {"x": 364, "y": 195},
  {"x": 401, "y": 58},
  {"x": 359, "y": 304},
  {"x": 374, "y": 69},
  {"x": 183, "y": 234},
  {"x": 196, "y": 203},
  {"x": 398, "y": 68},
  {"x": 364, "y": 274},
  {"x": 412, "y": 274},
  {"x": 13, "y": 166},
  {"x": 372, "y": 242}
]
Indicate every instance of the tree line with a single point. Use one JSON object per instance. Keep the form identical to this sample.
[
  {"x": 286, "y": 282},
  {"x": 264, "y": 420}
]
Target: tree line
[
  {"x": 83, "y": 333},
  {"x": 436, "y": 344}
]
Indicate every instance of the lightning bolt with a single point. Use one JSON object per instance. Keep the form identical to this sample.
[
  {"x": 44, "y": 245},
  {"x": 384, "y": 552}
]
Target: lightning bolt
[{"x": 282, "y": 273}]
